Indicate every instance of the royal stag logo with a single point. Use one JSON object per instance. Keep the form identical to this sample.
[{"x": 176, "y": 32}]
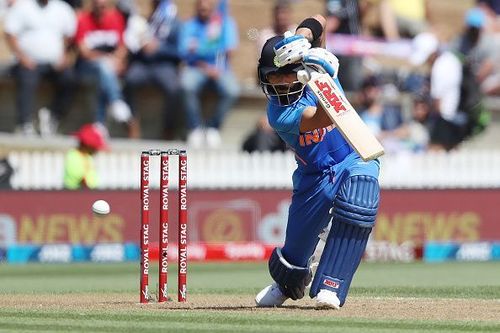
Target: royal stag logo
[
  {"x": 145, "y": 292},
  {"x": 183, "y": 292}
]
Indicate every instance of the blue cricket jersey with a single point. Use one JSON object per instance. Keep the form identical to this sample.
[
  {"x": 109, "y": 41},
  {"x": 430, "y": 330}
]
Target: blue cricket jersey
[
  {"x": 315, "y": 151},
  {"x": 324, "y": 160}
]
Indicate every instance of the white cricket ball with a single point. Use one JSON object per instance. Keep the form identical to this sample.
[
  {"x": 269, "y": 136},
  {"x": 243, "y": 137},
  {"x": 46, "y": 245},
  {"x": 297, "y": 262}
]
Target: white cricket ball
[{"x": 101, "y": 207}]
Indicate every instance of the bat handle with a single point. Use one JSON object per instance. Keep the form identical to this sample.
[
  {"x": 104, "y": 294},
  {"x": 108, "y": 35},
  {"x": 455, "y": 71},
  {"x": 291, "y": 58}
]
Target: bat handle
[{"x": 304, "y": 75}]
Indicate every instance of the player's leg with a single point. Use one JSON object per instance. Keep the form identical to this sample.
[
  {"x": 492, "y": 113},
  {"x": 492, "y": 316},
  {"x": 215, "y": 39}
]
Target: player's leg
[
  {"x": 289, "y": 266},
  {"x": 354, "y": 211}
]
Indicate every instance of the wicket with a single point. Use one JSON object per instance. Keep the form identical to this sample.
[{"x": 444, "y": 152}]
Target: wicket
[{"x": 163, "y": 225}]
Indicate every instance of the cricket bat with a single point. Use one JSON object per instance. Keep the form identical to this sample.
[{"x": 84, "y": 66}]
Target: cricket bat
[{"x": 342, "y": 114}]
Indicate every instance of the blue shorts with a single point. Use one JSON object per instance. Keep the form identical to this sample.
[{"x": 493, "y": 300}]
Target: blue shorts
[{"x": 312, "y": 198}]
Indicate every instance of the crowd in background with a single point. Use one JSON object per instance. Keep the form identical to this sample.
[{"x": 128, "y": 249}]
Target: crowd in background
[{"x": 108, "y": 45}]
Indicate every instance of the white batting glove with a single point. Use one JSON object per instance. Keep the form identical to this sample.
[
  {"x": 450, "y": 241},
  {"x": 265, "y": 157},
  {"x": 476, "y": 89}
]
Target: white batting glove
[
  {"x": 322, "y": 61},
  {"x": 291, "y": 49}
]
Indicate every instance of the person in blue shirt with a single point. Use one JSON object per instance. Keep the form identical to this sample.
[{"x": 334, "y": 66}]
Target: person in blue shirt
[
  {"x": 206, "y": 43},
  {"x": 333, "y": 188}
]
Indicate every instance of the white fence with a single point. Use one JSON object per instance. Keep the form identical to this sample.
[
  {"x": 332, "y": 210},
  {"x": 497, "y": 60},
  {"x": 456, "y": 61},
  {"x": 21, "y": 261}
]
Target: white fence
[{"x": 226, "y": 170}]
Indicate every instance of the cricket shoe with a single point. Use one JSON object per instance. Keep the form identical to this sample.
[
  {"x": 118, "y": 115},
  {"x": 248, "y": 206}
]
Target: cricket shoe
[
  {"x": 270, "y": 296},
  {"x": 327, "y": 299}
]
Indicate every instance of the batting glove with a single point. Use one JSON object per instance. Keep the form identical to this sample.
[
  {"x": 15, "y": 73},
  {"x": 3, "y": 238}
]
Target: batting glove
[
  {"x": 291, "y": 49},
  {"x": 322, "y": 61}
]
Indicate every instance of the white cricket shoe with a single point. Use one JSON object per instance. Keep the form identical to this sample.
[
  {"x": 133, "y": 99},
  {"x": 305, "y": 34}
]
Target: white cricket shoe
[
  {"x": 270, "y": 296},
  {"x": 327, "y": 299}
]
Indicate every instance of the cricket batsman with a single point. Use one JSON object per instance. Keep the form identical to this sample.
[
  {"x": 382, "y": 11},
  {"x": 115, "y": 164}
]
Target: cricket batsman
[{"x": 331, "y": 182}]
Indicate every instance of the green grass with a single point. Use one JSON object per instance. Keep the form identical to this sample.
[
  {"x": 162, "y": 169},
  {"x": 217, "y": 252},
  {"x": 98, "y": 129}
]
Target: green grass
[
  {"x": 450, "y": 280},
  {"x": 447, "y": 280},
  {"x": 217, "y": 322}
]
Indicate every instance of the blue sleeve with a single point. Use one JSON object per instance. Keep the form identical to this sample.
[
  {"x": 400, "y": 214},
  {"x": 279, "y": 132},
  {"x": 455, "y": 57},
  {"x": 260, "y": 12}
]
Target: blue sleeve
[{"x": 285, "y": 119}]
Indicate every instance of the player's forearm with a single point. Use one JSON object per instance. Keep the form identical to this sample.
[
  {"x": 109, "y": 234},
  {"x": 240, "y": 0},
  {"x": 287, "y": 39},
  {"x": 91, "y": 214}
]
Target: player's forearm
[
  {"x": 313, "y": 32},
  {"x": 314, "y": 118}
]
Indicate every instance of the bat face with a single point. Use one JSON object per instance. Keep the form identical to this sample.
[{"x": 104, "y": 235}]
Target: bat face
[
  {"x": 329, "y": 97},
  {"x": 345, "y": 117}
]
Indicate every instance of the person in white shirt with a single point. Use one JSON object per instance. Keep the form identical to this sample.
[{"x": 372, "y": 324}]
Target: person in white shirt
[
  {"x": 38, "y": 33},
  {"x": 445, "y": 81}
]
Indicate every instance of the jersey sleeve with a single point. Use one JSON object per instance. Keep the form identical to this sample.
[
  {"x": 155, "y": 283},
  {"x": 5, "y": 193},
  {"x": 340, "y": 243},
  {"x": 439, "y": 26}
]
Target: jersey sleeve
[{"x": 285, "y": 119}]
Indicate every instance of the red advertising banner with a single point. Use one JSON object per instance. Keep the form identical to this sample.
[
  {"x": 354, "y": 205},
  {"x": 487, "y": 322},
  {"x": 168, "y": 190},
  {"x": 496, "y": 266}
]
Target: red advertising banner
[{"x": 49, "y": 217}]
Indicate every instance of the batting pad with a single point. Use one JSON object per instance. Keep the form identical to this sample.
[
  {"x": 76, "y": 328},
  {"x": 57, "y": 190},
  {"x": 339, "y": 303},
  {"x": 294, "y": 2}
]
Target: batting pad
[
  {"x": 354, "y": 212},
  {"x": 292, "y": 280}
]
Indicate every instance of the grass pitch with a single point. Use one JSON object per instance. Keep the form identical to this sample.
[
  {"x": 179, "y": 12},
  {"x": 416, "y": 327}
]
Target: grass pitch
[{"x": 451, "y": 297}]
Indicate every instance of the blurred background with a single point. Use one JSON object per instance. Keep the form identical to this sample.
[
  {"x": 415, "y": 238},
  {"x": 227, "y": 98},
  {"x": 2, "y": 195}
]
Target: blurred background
[{"x": 86, "y": 85}]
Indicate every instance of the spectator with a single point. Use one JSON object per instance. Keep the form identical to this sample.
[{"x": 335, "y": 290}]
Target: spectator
[
  {"x": 263, "y": 138},
  {"x": 281, "y": 22},
  {"x": 31, "y": 26},
  {"x": 75, "y": 4},
  {"x": 385, "y": 121},
  {"x": 102, "y": 56},
  {"x": 79, "y": 169},
  {"x": 343, "y": 17},
  {"x": 467, "y": 42},
  {"x": 412, "y": 16},
  {"x": 4, "y": 4},
  {"x": 6, "y": 172},
  {"x": 206, "y": 43},
  {"x": 378, "y": 19},
  {"x": 492, "y": 7},
  {"x": 155, "y": 60},
  {"x": 422, "y": 123},
  {"x": 484, "y": 54},
  {"x": 454, "y": 91}
]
